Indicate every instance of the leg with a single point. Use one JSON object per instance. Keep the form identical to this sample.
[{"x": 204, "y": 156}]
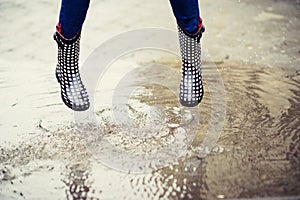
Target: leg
[
  {"x": 190, "y": 31},
  {"x": 67, "y": 36},
  {"x": 71, "y": 17},
  {"x": 187, "y": 14}
]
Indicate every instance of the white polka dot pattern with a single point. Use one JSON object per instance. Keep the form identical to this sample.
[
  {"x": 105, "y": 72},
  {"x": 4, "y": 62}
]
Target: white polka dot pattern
[
  {"x": 191, "y": 88},
  {"x": 73, "y": 92}
]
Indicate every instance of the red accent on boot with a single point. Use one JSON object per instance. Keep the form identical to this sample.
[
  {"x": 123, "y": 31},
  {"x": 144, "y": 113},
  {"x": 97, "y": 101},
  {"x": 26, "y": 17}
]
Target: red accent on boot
[
  {"x": 60, "y": 32},
  {"x": 58, "y": 28},
  {"x": 200, "y": 24}
]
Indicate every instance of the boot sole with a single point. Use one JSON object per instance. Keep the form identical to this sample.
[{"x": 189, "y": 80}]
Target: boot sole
[
  {"x": 74, "y": 108},
  {"x": 188, "y": 104}
]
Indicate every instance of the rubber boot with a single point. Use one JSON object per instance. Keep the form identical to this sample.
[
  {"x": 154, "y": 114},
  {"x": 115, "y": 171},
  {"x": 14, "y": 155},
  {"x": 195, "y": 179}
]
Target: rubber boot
[
  {"x": 191, "y": 87},
  {"x": 73, "y": 92}
]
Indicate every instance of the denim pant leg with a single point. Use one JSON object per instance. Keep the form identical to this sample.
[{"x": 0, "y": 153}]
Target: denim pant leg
[
  {"x": 187, "y": 14},
  {"x": 71, "y": 17}
]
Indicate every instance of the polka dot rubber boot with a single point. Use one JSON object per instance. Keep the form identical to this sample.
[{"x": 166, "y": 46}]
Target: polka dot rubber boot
[
  {"x": 73, "y": 92},
  {"x": 191, "y": 87}
]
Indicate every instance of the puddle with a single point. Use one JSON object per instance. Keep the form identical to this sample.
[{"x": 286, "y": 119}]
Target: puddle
[{"x": 257, "y": 153}]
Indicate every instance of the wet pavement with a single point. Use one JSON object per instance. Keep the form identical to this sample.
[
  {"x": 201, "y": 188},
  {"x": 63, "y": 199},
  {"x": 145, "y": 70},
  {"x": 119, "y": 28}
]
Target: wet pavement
[
  {"x": 256, "y": 155},
  {"x": 45, "y": 155}
]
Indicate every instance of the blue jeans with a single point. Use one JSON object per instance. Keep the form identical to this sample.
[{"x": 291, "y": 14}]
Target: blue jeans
[{"x": 73, "y": 13}]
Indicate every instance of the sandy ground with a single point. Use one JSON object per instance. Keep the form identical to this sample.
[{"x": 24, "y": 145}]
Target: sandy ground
[{"x": 255, "y": 44}]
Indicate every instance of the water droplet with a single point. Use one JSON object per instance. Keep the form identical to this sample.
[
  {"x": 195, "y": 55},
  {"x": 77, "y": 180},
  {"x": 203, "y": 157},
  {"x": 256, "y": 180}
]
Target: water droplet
[{"x": 173, "y": 125}]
